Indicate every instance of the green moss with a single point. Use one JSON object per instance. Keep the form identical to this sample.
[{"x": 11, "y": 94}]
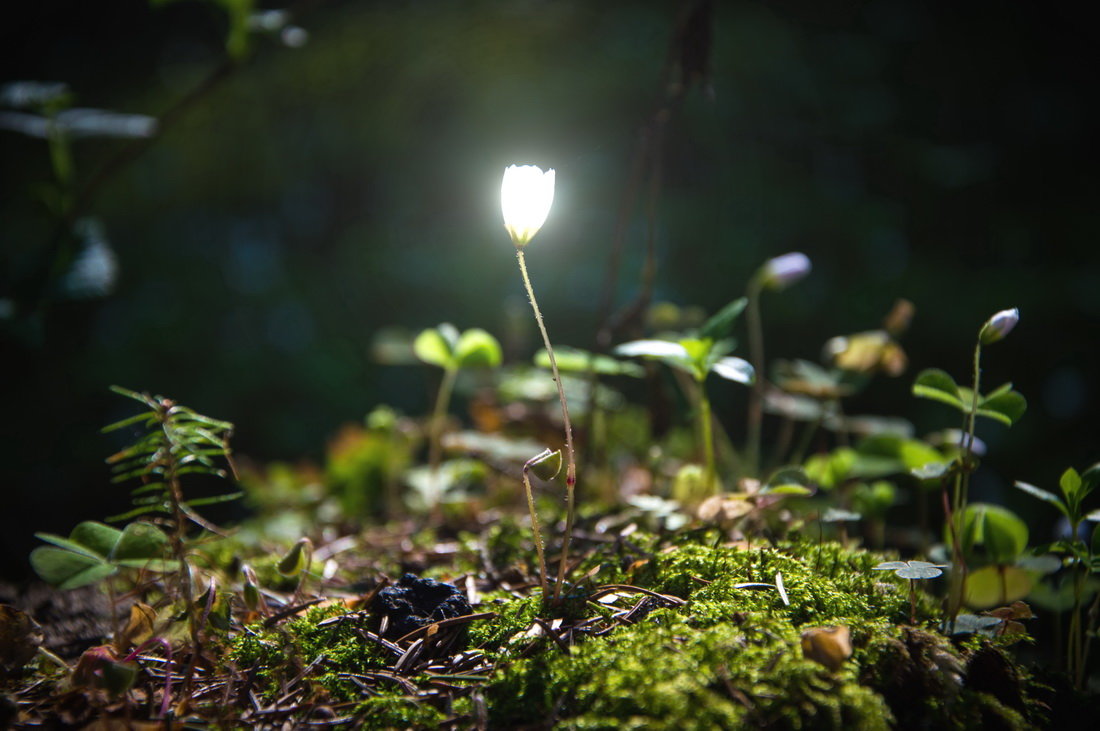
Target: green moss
[
  {"x": 392, "y": 710},
  {"x": 668, "y": 674},
  {"x": 330, "y": 651}
]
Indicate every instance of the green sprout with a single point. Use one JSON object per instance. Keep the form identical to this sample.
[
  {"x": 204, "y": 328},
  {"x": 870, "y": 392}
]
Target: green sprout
[
  {"x": 1083, "y": 557},
  {"x": 914, "y": 571},
  {"x": 700, "y": 355},
  {"x": 447, "y": 348},
  {"x": 1002, "y": 404}
]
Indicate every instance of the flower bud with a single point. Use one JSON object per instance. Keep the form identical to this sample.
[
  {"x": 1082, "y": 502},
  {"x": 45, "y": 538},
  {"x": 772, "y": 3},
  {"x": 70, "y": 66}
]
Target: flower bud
[
  {"x": 526, "y": 195},
  {"x": 783, "y": 271},
  {"x": 999, "y": 326}
]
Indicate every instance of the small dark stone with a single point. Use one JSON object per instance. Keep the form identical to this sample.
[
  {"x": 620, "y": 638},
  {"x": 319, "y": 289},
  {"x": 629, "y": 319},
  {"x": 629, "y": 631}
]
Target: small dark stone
[{"x": 415, "y": 602}]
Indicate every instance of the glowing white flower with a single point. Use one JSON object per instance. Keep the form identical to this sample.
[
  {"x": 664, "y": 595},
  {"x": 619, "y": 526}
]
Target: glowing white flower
[
  {"x": 999, "y": 325},
  {"x": 525, "y": 198}
]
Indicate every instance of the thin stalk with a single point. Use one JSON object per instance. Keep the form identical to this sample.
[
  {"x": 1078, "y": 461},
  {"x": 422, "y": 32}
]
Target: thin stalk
[
  {"x": 756, "y": 355},
  {"x": 535, "y": 526},
  {"x": 1075, "y": 665},
  {"x": 806, "y": 438},
  {"x": 706, "y": 434},
  {"x": 1090, "y": 632},
  {"x": 571, "y": 470},
  {"x": 442, "y": 401},
  {"x": 962, "y": 483}
]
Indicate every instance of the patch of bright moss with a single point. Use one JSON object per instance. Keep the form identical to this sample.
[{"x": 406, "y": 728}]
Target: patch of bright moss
[
  {"x": 665, "y": 673},
  {"x": 279, "y": 653}
]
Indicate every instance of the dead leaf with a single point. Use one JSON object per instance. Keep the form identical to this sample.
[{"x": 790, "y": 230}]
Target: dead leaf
[
  {"x": 20, "y": 638},
  {"x": 830, "y": 646},
  {"x": 139, "y": 627}
]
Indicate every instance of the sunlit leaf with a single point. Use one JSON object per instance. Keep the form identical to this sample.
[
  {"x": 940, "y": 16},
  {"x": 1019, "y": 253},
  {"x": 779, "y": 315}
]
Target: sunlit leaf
[
  {"x": 994, "y": 586},
  {"x": 721, "y": 324},
  {"x": 1006, "y": 408},
  {"x": 734, "y": 369},
  {"x": 477, "y": 349},
  {"x": 1042, "y": 494},
  {"x": 652, "y": 349},
  {"x": 431, "y": 347},
  {"x": 996, "y": 529},
  {"x": 575, "y": 360},
  {"x": 939, "y": 386}
]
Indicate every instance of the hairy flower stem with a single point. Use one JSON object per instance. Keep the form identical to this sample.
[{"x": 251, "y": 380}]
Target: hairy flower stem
[
  {"x": 571, "y": 470},
  {"x": 535, "y": 525},
  {"x": 756, "y": 355}
]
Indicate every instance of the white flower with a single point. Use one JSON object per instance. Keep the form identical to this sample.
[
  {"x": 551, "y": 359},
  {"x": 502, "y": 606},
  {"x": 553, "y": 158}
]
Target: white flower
[
  {"x": 783, "y": 271},
  {"x": 999, "y": 325},
  {"x": 525, "y": 198}
]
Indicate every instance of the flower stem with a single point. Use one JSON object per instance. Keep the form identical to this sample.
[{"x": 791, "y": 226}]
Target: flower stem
[
  {"x": 962, "y": 487},
  {"x": 535, "y": 527},
  {"x": 756, "y": 354},
  {"x": 571, "y": 470}
]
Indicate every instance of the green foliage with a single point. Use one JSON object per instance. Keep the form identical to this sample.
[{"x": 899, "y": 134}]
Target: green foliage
[
  {"x": 94, "y": 551},
  {"x": 911, "y": 569},
  {"x": 1002, "y": 404},
  {"x": 575, "y": 360},
  {"x": 447, "y": 348},
  {"x": 174, "y": 441},
  {"x": 997, "y": 530}
]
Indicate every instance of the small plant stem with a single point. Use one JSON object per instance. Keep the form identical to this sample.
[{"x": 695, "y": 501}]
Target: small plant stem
[
  {"x": 571, "y": 469},
  {"x": 439, "y": 415},
  {"x": 756, "y": 355},
  {"x": 706, "y": 434},
  {"x": 912, "y": 601},
  {"x": 962, "y": 484},
  {"x": 1090, "y": 632},
  {"x": 1075, "y": 650},
  {"x": 535, "y": 527},
  {"x": 806, "y": 438}
]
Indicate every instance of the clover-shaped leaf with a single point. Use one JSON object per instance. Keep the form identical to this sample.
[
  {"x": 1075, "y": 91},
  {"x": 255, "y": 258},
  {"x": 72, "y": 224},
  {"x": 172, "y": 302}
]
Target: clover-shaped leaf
[
  {"x": 912, "y": 570},
  {"x": 938, "y": 385},
  {"x": 477, "y": 349},
  {"x": 94, "y": 551},
  {"x": 447, "y": 348}
]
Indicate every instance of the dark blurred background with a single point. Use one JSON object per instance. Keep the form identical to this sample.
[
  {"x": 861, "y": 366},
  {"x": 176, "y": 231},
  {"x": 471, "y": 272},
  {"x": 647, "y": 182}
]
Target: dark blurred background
[{"x": 346, "y": 179}]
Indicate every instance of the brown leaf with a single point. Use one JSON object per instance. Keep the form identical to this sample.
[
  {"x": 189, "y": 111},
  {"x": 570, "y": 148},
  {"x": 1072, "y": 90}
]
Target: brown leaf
[
  {"x": 139, "y": 627},
  {"x": 830, "y": 646},
  {"x": 20, "y": 638}
]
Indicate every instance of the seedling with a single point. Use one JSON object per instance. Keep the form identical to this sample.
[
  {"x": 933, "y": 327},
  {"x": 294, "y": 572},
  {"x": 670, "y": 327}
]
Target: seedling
[
  {"x": 914, "y": 571},
  {"x": 1002, "y": 404},
  {"x": 1083, "y": 556},
  {"x": 452, "y": 351},
  {"x": 700, "y": 355}
]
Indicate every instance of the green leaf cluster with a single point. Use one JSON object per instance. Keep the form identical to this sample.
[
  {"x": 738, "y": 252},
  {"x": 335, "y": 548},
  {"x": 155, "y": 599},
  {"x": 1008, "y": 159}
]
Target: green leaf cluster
[
  {"x": 446, "y": 347},
  {"x": 94, "y": 551},
  {"x": 175, "y": 441},
  {"x": 700, "y": 353},
  {"x": 1001, "y": 404}
]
